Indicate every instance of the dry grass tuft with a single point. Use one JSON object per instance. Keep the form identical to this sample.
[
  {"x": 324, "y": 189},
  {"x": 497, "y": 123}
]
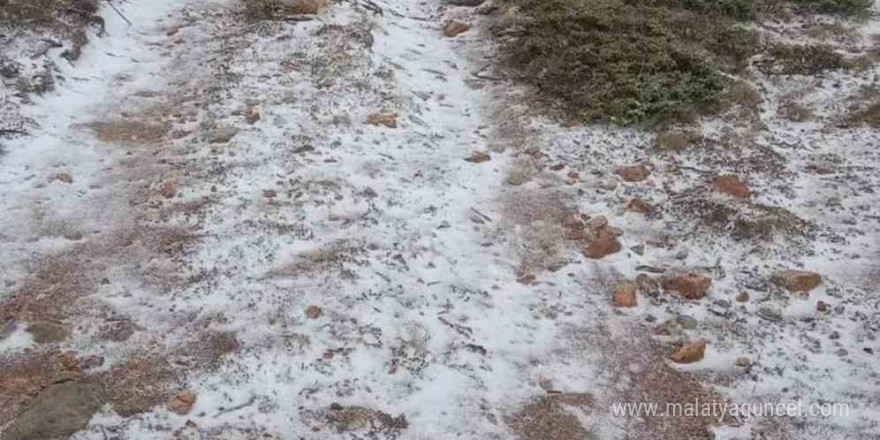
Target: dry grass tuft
[
  {"x": 268, "y": 9},
  {"x": 130, "y": 132},
  {"x": 329, "y": 259}
]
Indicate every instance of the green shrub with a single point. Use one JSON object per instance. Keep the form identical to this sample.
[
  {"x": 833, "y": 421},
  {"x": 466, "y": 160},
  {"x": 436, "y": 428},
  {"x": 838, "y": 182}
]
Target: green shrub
[
  {"x": 632, "y": 61},
  {"x": 610, "y": 60}
]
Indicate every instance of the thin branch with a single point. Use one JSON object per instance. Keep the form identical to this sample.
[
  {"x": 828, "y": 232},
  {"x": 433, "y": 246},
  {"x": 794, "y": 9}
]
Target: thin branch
[{"x": 117, "y": 11}]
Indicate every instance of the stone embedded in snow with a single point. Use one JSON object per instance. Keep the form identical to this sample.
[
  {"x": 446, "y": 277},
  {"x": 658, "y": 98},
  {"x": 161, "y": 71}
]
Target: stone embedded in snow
[
  {"x": 573, "y": 220},
  {"x": 633, "y": 173},
  {"x": 388, "y": 119},
  {"x": 688, "y": 286},
  {"x": 604, "y": 244},
  {"x": 743, "y": 362},
  {"x": 822, "y": 307},
  {"x": 57, "y": 412},
  {"x": 454, "y": 27},
  {"x": 222, "y": 134},
  {"x": 168, "y": 188},
  {"x": 647, "y": 285},
  {"x": 797, "y": 280},
  {"x": 252, "y": 115},
  {"x": 527, "y": 279},
  {"x": 639, "y": 205},
  {"x": 479, "y": 157},
  {"x": 314, "y": 312},
  {"x": 182, "y": 403},
  {"x": 624, "y": 295},
  {"x": 47, "y": 331},
  {"x": 742, "y": 297},
  {"x": 64, "y": 177},
  {"x": 597, "y": 223},
  {"x": 690, "y": 352},
  {"x": 731, "y": 185}
]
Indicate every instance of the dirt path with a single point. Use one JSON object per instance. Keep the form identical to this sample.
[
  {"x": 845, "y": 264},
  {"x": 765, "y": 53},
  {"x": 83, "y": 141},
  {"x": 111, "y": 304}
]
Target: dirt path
[{"x": 345, "y": 228}]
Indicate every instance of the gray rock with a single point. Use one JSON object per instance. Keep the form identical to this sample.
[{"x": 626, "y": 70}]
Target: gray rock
[
  {"x": 59, "y": 411},
  {"x": 686, "y": 322},
  {"x": 222, "y": 134}
]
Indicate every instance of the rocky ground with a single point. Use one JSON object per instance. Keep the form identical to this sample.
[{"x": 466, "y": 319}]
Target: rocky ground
[{"x": 349, "y": 225}]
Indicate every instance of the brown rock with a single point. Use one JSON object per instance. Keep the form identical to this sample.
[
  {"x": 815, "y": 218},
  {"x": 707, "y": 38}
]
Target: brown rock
[
  {"x": 479, "y": 157},
  {"x": 731, "y": 185},
  {"x": 573, "y": 220},
  {"x": 688, "y": 286},
  {"x": 314, "y": 312},
  {"x": 797, "y": 280},
  {"x": 690, "y": 352},
  {"x": 605, "y": 243},
  {"x": 638, "y": 205},
  {"x": 743, "y": 362},
  {"x": 252, "y": 115},
  {"x": 634, "y": 173},
  {"x": 64, "y": 177},
  {"x": 624, "y": 295},
  {"x": 527, "y": 279},
  {"x": 454, "y": 27},
  {"x": 575, "y": 234},
  {"x": 168, "y": 188},
  {"x": 742, "y": 297},
  {"x": 388, "y": 119},
  {"x": 822, "y": 307},
  {"x": 597, "y": 223},
  {"x": 69, "y": 361},
  {"x": 182, "y": 403},
  {"x": 672, "y": 141}
]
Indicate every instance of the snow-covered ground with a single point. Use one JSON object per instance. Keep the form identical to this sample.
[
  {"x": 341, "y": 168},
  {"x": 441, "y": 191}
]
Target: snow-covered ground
[{"x": 204, "y": 205}]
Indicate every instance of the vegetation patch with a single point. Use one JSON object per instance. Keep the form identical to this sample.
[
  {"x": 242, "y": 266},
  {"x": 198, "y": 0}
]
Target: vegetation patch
[
  {"x": 65, "y": 19},
  {"x": 269, "y": 9},
  {"x": 803, "y": 59},
  {"x": 627, "y": 61}
]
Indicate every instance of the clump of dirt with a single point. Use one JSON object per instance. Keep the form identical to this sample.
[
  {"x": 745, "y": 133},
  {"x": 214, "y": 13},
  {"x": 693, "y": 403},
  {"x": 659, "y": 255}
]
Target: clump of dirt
[
  {"x": 551, "y": 417},
  {"x": 47, "y": 295},
  {"x": 350, "y": 419},
  {"x": 648, "y": 378},
  {"x": 130, "y": 132},
  {"x": 139, "y": 383},
  {"x": 533, "y": 220}
]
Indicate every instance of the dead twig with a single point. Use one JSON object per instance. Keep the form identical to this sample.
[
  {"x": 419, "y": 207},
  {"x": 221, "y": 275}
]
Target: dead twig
[{"x": 118, "y": 12}]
